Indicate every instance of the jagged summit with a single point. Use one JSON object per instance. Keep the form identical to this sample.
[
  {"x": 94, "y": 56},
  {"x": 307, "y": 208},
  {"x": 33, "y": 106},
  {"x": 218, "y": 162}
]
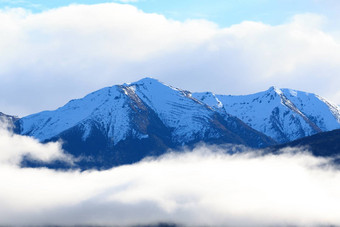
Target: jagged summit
[{"x": 274, "y": 89}]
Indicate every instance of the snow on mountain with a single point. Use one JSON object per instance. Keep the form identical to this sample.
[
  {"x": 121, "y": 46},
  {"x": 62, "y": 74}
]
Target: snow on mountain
[
  {"x": 177, "y": 110},
  {"x": 323, "y": 113},
  {"x": 208, "y": 98},
  {"x": 124, "y": 123},
  {"x": 106, "y": 107},
  {"x": 282, "y": 114},
  {"x": 118, "y": 112}
]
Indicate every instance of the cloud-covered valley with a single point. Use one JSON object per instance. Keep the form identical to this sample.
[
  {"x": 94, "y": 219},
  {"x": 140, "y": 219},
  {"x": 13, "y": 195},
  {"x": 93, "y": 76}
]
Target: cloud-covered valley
[
  {"x": 68, "y": 52},
  {"x": 204, "y": 186}
]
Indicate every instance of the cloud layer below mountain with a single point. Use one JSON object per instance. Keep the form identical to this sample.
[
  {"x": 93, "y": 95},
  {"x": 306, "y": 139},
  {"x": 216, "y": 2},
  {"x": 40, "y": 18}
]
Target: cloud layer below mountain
[
  {"x": 68, "y": 52},
  {"x": 205, "y": 186}
]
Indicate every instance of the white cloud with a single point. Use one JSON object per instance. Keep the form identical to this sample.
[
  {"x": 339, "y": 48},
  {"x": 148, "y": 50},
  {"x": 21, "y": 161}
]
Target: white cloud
[
  {"x": 70, "y": 51},
  {"x": 13, "y": 147},
  {"x": 203, "y": 187}
]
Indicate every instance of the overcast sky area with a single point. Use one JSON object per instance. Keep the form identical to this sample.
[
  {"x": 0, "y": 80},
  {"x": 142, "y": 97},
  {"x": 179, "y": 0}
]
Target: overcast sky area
[{"x": 55, "y": 51}]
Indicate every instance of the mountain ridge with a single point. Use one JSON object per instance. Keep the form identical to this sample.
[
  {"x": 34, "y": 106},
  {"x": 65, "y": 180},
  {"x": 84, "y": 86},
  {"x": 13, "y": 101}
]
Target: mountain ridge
[
  {"x": 325, "y": 144},
  {"x": 275, "y": 111},
  {"x": 124, "y": 123}
]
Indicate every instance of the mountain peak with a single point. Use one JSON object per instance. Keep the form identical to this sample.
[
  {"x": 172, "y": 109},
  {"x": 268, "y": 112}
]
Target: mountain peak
[
  {"x": 148, "y": 80},
  {"x": 124, "y": 123},
  {"x": 275, "y": 90},
  {"x": 154, "y": 86}
]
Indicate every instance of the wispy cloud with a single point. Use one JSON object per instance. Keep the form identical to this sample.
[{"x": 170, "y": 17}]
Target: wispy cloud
[{"x": 205, "y": 186}]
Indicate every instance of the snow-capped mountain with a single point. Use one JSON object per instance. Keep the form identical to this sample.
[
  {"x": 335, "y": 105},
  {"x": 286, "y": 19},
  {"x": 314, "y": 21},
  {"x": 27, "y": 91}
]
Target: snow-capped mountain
[
  {"x": 125, "y": 123},
  {"x": 282, "y": 114}
]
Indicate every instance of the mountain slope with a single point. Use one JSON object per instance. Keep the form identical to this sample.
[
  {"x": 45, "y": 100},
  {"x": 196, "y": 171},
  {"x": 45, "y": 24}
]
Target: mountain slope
[
  {"x": 125, "y": 123},
  {"x": 320, "y": 111},
  {"x": 282, "y": 114},
  {"x": 326, "y": 144}
]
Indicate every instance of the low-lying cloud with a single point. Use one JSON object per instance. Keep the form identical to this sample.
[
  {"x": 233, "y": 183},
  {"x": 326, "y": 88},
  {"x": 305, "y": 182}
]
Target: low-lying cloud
[
  {"x": 14, "y": 147},
  {"x": 205, "y": 186}
]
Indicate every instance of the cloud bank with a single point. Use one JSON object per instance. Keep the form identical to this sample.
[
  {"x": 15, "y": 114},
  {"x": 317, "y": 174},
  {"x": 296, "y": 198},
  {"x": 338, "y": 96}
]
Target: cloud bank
[
  {"x": 68, "y": 52},
  {"x": 14, "y": 147},
  {"x": 202, "y": 187}
]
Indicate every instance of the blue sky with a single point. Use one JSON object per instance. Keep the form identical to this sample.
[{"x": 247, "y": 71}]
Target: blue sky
[{"x": 222, "y": 12}]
